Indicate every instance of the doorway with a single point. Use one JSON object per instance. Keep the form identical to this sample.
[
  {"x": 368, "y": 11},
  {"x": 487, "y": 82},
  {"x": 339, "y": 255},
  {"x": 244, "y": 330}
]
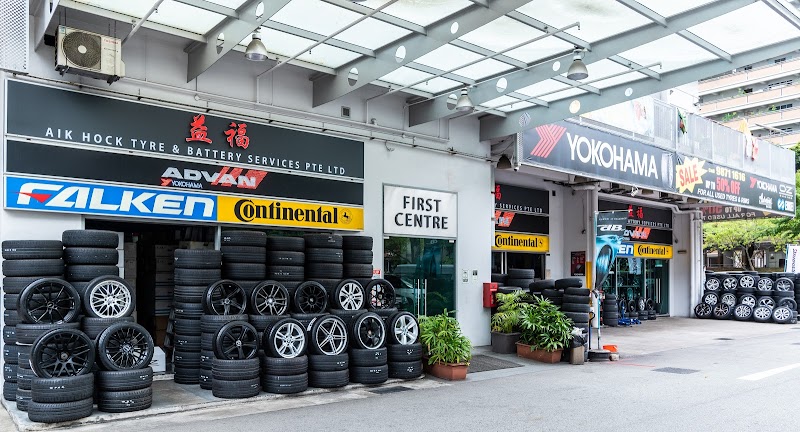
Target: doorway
[{"x": 422, "y": 271}]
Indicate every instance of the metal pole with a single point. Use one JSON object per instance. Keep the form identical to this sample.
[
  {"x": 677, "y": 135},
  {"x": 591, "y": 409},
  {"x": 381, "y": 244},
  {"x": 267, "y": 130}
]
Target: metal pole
[{"x": 139, "y": 23}]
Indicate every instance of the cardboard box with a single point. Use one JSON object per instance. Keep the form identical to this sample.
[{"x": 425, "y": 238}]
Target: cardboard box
[
  {"x": 129, "y": 249},
  {"x": 195, "y": 245},
  {"x": 164, "y": 251},
  {"x": 159, "y": 361}
]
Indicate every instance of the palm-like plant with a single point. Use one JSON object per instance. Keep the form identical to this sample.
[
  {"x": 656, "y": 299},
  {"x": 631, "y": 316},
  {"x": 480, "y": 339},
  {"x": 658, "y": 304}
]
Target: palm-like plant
[
  {"x": 544, "y": 327},
  {"x": 509, "y": 311},
  {"x": 442, "y": 339}
]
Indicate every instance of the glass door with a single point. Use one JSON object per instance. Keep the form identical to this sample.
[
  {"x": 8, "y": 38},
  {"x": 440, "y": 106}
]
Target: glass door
[
  {"x": 422, "y": 272},
  {"x": 657, "y": 283}
]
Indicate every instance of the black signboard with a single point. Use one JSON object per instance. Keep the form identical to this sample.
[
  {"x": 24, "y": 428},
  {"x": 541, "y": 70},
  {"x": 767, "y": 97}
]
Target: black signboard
[
  {"x": 521, "y": 222},
  {"x": 725, "y": 213},
  {"x": 706, "y": 180},
  {"x": 90, "y": 164},
  {"x": 581, "y": 150},
  {"x": 522, "y": 200},
  {"x": 639, "y": 215},
  {"x": 96, "y": 121}
]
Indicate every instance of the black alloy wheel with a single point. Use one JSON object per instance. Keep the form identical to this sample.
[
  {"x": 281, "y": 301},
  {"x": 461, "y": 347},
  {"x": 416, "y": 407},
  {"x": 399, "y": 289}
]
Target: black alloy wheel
[
  {"x": 310, "y": 297},
  {"x": 124, "y": 346},
  {"x": 369, "y": 331},
  {"x": 225, "y": 297},
  {"x": 703, "y": 310},
  {"x": 380, "y": 294},
  {"x": 236, "y": 340},
  {"x": 269, "y": 298},
  {"x": 62, "y": 353},
  {"x": 49, "y": 301}
]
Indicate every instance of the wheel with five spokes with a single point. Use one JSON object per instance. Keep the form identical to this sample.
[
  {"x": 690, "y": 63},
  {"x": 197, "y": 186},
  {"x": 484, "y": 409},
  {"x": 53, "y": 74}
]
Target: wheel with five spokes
[
  {"x": 225, "y": 297},
  {"x": 328, "y": 336},
  {"x": 348, "y": 295},
  {"x": 369, "y": 331},
  {"x": 236, "y": 340},
  {"x": 286, "y": 338},
  {"x": 742, "y": 312},
  {"x": 62, "y": 353},
  {"x": 403, "y": 329}
]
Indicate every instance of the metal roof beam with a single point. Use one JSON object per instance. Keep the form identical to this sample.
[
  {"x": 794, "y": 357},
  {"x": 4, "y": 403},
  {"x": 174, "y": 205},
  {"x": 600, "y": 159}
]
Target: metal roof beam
[
  {"x": 578, "y": 84},
  {"x": 380, "y": 16},
  {"x": 235, "y": 30},
  {"x": 437, "y": 108},
  {"x": 517, "y": 121},
  {"x": 436, "y": 71},
  {"x": 316, "y": 37},
  {"x": 644, "y": 11},
  {"x": 704, "y": 44},
  {"x": 211, "y": 7},
  {"x": 439, "y": 33},
  {"x": 538, "y": 25},
  {"x": 787, "y": 14},
  {"x": 487, "y": 52},
  {"x": 633, "y": 65}
]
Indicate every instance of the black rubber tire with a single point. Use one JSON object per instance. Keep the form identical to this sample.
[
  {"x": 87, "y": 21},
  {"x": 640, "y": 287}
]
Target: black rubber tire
[
  {"x": 269, "y": 336},
  {"x": 579, "y": 299},
  {"x": 325, "y": 363},
  {"x": 578, "y": 317},
  {"x": 10, "y": 353},
  {"x": 197, "y": 276},
  {"x": 186, "y": 375},
  {"x": 243, "y": 238},
  {"x": 357, "y": 256},
  {"x": 358, "y": 271},
  {"x": 576, "y": 307},
  {"x": 351, "y": 284},
  {"x": 85, "y": 273},
  {"x": 286, "y": 273},
  {"x": 568, "y": 283},
  {"x": 542, "y": 285},
  {"x": 207, "y": 356},
  {"x": 188, "y": 294},
  {"x": 321, "y": 270},
  {"x": 40, "y": 351},
  {"x": 328, "y": 379},
  {"x": 23, "y": 398},
  {"x": 382, "y": 301},
  {"x": 404, "y": 353},
  {"x": 235, "y": 389},
  {"x": 66, "y": 389},
  {"x": 59, "y": 412},
  {"x": 187, "y": 327},
  {"x": 782, "y": 320},
  {"x": 235, "y": 370},
  {"x": 24, "y": 377},
  {"x": 789, "y": 302},
  {"x": 91, "y": 256},
  {"x": 193, "y": 311},
  {"x": 290, "y": 244},
  {"x": 367, "y": 357},
  {"x": 31, "y": 298},
  {"x": 11, "y": 301},
  {"x": 33, "y": 267},
  {"x": 186, "y": 342},
  {"x": 244, "y": 271},
  {"x": 245, "y": 337},
  {"x": 24, "y": 356},
  {"x": 405, "y": 370},
  {"x": 15, "y": 285},
  {"x": 285, "y": 258},
  {"x": 124, "y": 380},
  {"x": 284, "y": 384},
  {"x": 187, "y": 359},
  {"x": 521, "y": 273},
  {"x": 212, "y": 323},
  {"x": 357, "y": 242},
  {"x": 10, "y": 372},
  {"x": 305, "y": 293},
  {"x": 31, "y": 249},
  {"x": 244, "y": 254},
  {"x": 262, "y": 322},
  {"x": 205, "y": 379},
  {"x": 198, "y": 259},
  {"x": 369, "y": 374},
  {"x": 347, "y": 315},
  {"x": 355, "y": 341},
  {"x": 10, "y": 391},
  {"x": 322, "y": 255},
  {"x": 522, "y": 283},
  {"x": 278, "y": 366},
  {"x": 105, "y": 344},
  {"x": 576, "y": 292},
  {"x": 11, "y": 317},
  {"x": 90, "y": 238},
  {"x": 28, "y": 333},
  {"x": 10, "y": 334},
  {"x": 327, "y": 241},
  {"x": 124, "y": 401}
]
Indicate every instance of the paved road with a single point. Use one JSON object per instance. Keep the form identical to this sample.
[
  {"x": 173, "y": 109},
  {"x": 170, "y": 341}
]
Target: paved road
[{"x": 618, "y": 396}]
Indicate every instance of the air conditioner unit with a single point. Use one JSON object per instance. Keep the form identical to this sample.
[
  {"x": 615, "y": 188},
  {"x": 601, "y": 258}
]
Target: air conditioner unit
[{"x": 89, "y": 54}]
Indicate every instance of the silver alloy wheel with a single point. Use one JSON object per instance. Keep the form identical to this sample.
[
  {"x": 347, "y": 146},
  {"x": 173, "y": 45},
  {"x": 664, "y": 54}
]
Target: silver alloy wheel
[
  {"x": 351, "y": 296},
  {"x": 762, "y": 313},
  {"x": 747, "y": 281},
  {"x": 290, "y": 340},
  {"x": 748, "y": 300},
  {"x": 729, "y": 283},
  {"x": 767, "y": 301},
  {"x": 721, "y": 309},
  {"x": 765, "y": 284},
  {"x": 271, "y": 299},
  {"x": 781, "y": 314},
  {"x": 641, "y": 304},
  {"x": 110, "y": 299},
  {"x": 406, "y": 330},
  {"x": 729, "y": 299},
  {"x": 743, "y": 311},
  {"x": 712, "y": 284},
  {"x": 783, "y": 284},
  {"x": 710, "y": 299},
  {"x": 331, "y": 336}
]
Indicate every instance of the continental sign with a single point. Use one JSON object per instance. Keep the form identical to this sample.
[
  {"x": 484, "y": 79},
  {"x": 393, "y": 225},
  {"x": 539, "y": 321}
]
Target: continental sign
[
  {"x": 289, "y": 213},
  {"x": 644, "y": 250},
  {"x": 515, "y": 242}
]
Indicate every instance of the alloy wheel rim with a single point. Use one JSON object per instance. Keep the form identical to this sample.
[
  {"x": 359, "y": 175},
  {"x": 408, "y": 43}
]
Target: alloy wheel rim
[
  {"x": 765, "y": 284},
  {"x": 710, "y": 300},
  {"x": 311, "y": 299},
  {"x": 64, "y": 354},
  {"x": 767, "y": 302},
  {"x": 271, "y": 299},
  {"x": 110, "y": 299},
  {"x": 704, "y": 309},
  {"x": 712, "y": 284},
  {"x": 781, "y": 314},
  {"x": 762, "y": 313},
  {"x": 239, "y": 342},
  {"x": 331, "y": 336},
  {"x": 783, "y": 286},
  {"x": 371, "y": 332},
  {"x": 289, "y": 340},
  {"x": 381, "y": 296},
  {"x": 227, "y": 299},
  {"x": 50, "y": 302},
  {"x": 729, "y": 283},
  {"x": 743, "y": 311},
  {"x": 351, "y": 296},
  {"x": 406, "y": 330},
  {"x": 748, "y": 301},
  {"x": 721, "y": 309},
  {"x": 127, "y": 348},
  {"x": 746, "y": 281},
  {"x": 729, "y": 299}
]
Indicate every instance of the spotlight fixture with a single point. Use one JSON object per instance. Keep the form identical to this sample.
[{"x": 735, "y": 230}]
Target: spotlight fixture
[
  {"x": 635, "y": 191},
  {"x": 464, "y": 103},
  {"x": 504, "y": 163},
  {"x": 256, "y": 51},
  {"x": 577, "y": 70}
]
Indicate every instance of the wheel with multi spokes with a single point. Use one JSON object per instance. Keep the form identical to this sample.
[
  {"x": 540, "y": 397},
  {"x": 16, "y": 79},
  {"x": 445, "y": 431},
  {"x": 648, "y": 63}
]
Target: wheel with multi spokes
[
  {"x": 742, "y": 312},
  {"x": 236, "y": 340},
  {"x": 62, "y": 353},
  {"x": 784, "y": 284},
  {"x": 782, "y": 315},
  {"x": 49, "y": 301},
  {"x": 369, "y": 331},
  {"x": 703, "y": 310},
  {"x": 124, "y": 346},
  {"x": 348, "y": 295},
  {"x": 328, "y": 336},
  {"x": 380, "y": 294},
  {"x": 749, "y": 300},
  {"x": 762, "y": 314},
  {"x": 270, "y": 298},
  {"x": 722, "y": 311},
  {"x": 747, "y": 281},
  {"x": 728, "y": 298},
  {"x": 403, "y": 329},
  {"x": 310, "y": 297},
  {"x": 109, "y": 297},
  {"x": 286, "y": 338},
  {"x": 225, "y": 297},
  {"x": 713, "y": 283},
  {"x": 764, "y": 284},
  {"x": 711, "y": 298}
]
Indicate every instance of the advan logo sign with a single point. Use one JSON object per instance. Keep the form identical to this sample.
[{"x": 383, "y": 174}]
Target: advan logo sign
[{"x": 87, "y": 198}]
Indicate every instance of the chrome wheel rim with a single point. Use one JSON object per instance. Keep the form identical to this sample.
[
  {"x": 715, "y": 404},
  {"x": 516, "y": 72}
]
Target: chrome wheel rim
[
  {"x": 767, "y": 302},
  {"x": 765, "y": 284},
  {"x": 748, "y": 301},
  {"x": 747, "y": 281},
  {"x": 712, "y": 284},
  {"x": 743, "y": 311},
  {"x": 271, "y": 299},
  {"x": 290, "y": 339},
  {"x": 729, "y": 299},
  {"x": 351, "y": 296},
  {"x": 710, "y": 299},
  {"x": 729, "y": 283},
  {"x": 110, "y": 299},
  {"x": 762, "y": 313},
  {"x": 406, "y": 330},
  {"x": 783, "y": 285},
  {"x": 331, "y": 336},
  {"x": 781, "y": 314}
]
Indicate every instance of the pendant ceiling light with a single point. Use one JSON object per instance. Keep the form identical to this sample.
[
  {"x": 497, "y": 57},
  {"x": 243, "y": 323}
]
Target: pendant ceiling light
[
  {"x": 577, "y": 70},
  {"x": 464, "y": 103},
  {"x": 256, "y": 51},
  {"x": 504, "y": 163}
]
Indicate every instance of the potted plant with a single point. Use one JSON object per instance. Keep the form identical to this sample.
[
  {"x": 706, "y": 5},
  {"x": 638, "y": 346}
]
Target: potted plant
[
  {"x": 546, "y": 331},
  {"x": 447, "y": 350},
  {"x": 505, "y": 322}
]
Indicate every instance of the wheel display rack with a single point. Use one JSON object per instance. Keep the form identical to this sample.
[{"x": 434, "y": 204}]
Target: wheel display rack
[{"x": 750, "y": 296}]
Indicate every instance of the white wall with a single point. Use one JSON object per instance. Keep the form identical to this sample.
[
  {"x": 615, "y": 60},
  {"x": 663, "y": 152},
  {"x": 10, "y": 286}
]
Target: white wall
[{"x": 680, "y": 292}]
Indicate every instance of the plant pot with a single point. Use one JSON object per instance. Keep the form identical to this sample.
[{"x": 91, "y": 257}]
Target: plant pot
[
  {"x": 448, "y": 371},
  {"x": 543, "y": 356},
  {"x": 504, "y": 343}
]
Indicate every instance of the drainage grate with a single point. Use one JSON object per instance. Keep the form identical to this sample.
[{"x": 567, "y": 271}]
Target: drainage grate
[
  {"x": 678, "y": 371},
  {"x": 387, "y": 390},
  {"x": 723, "y": 339},
  {"x": 484, "y": 363}
]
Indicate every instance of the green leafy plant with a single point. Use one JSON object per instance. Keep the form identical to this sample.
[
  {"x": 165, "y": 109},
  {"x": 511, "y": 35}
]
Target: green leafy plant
[
  {"x": 544, "y": 327},
  {"x": 442, "y": 338},
  {"x": 509, "y": 311}
]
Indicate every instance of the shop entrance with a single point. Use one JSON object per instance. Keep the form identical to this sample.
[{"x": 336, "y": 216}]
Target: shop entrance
[
  {"x": 640, "y": 277},
  {"x": 422, "y": 272}
]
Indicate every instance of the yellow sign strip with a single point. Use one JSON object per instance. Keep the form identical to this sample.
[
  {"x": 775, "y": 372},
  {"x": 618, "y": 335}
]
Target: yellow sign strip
[
  {"x": 516, "y": 242},
  {"x": 285, "y": 213},
  {"x": 643, "y": 250}
]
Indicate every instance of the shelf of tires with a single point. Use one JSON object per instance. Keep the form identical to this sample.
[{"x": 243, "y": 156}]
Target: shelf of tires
[{"x": 761, "y": 297}]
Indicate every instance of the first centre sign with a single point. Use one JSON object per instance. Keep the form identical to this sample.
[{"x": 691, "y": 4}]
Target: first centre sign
[{"x": 419, "y": 212}]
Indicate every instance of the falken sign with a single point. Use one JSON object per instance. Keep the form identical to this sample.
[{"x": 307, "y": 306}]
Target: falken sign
[{"x": 585, "y": 151}]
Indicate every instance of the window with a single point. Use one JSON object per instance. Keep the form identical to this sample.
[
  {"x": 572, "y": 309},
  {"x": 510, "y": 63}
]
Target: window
[
  {"x": 780, "y": 84},
  {"x": 780, "y": 60},
  {"x": 783, "y": 107}
]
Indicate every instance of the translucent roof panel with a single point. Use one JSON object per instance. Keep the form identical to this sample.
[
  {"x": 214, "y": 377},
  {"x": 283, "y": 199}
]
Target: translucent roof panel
[
  {"x": 602, "y": 68},
  {"x": 673, "y": 51},
  {"x": 599, "y": 18},
  {"x": 563, "y": 94},
  {"x": 672, "y": 7},
  {"x": 484, "y": 69},
  {"x": 438, "y": 85},
  {"x": 502, "y": 100},
  {"x": 421, "y": 12},
  {"x": 174, "y": 14},
  {"x": 516, "y": 106},
  {"x": 500, "y": 34},
  {"x": 404, "y": 76},
  {"x": 233, "y": 4},
  {"x": 448, "y": 57},
  {"x": 542, "y": 87},
  {"x": 540, "y": 49},
  {"x": 372, "y": 34},
  {"x": 734, "y": 32},
  {"x": 133, "y": 8},
  {"x": 325, "y": 18},
  {"x": 287, "y": 45},
  {"x": 621, "y": 79}
]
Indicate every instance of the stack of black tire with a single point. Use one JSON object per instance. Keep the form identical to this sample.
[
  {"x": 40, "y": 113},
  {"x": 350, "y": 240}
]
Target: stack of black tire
[
  {"x": 610, "y": 310},
  {"x": 124, "y": 383},
  {"x": 368, "y": 353},
  {"x": 358, "y": 258},
  {"x": 23, "y": 258},
  {"x": 285, "y": 261},
  {"x": 404, "y": 349},
  {"x": 537, "y": 287},
  {"x": 328, "y": 361},
  {"x": 195, "y": 270},
  {"x": 235, "y": 367},
  {"x": 555, "y": 295},
  {"x": 244, "y": 257},
  {"x": 575, "y": 301},
  {"x": 499, "y": 278},
  {"x": 324, "y": 260},
  {"x": 284, "y": 364},
  {"x": 223, "y": 302},
  {"x": 749, "y": 295},
  {"x": 89, "y": 254},
  {"x": 519, "y": 278}
]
